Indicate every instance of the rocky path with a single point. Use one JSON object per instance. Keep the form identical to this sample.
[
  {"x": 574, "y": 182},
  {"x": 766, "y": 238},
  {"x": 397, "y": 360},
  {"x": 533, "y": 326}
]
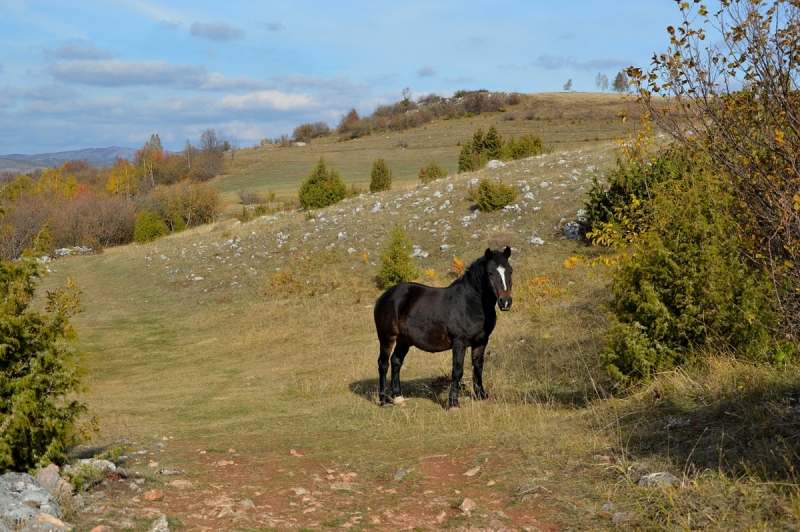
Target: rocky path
[{"x": 229, "y": 490}]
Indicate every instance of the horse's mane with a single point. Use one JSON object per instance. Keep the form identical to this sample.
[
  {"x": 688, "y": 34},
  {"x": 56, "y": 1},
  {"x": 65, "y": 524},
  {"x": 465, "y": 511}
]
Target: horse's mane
[{"x": 473, "y": 275}]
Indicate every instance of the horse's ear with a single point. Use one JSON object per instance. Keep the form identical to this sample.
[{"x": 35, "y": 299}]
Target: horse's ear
[
  {"x": 507, "y": 252},
  {"x": 488, "y": 255}
]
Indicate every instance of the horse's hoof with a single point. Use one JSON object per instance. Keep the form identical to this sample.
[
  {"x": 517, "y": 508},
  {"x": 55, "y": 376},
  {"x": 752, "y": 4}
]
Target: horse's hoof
[
  {"x": 400, "y": 400},
  {"x": 454, "y": 409}
]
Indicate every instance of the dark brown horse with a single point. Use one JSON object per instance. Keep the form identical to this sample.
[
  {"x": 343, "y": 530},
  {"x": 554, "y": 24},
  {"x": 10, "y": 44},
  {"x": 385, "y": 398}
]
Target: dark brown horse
[{"x": 437, "y": 319}]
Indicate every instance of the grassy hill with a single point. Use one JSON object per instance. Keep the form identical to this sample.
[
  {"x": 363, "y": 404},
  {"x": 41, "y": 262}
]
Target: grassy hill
[
  {"x": 563, "y": 120},
  {"x": 245, "y": 354}
]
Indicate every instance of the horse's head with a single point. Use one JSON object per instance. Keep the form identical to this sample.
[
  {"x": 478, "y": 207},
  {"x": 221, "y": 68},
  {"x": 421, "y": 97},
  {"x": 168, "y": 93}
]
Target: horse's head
[{"x": 499, "y": 272}]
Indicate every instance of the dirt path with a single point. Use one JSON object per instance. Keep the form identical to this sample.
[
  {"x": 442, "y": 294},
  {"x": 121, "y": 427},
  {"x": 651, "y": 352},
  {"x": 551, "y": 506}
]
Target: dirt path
[{"x": 291, "y": 490}]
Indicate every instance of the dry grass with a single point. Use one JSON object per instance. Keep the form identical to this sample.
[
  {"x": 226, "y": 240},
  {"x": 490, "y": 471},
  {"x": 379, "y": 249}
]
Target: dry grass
[{"x": 260, "y": 336}]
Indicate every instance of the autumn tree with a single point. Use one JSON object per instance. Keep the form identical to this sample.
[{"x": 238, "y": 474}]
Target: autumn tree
[
  {"x": 737, "y": 99},
  {"x": 122, "y": 179}
]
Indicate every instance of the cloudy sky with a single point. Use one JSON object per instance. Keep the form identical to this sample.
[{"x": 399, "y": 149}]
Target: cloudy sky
[{"x": 97, "y": 73}]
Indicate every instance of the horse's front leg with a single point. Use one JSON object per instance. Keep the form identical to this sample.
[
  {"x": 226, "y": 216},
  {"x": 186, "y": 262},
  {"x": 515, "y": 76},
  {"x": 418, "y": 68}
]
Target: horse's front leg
[
  {"x": 477, "y": 372},
  {"x": 459, "y": 350}
]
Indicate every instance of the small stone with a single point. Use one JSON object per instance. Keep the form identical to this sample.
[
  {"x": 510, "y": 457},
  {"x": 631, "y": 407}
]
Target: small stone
[
  {"x": 342, "y": 486},
  {"x": 658, "y": 480},
  {"x": 402, "y": 472},
  {"x": 472, "y": 472},
  {"x": 45, "y": 523},
  {"x": 154, "y": 495},
  {"x": 101, "y": 528},
  {"x": 468, "y": 505},
  {"x": 299, "y": 491},
  {"x": 620, "y": 518},
  {"x": 160, "y": 524}
]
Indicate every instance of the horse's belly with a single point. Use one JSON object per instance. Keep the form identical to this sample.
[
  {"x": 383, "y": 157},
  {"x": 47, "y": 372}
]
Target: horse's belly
[{"x": 431, "y": 339}]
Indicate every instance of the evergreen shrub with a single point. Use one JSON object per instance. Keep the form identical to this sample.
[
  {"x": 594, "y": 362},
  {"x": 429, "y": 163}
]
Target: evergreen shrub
[
  {"x": 381, "y": 176},
  {"x": 397, "y": 266},
  {"x": 321, "y": 189}
]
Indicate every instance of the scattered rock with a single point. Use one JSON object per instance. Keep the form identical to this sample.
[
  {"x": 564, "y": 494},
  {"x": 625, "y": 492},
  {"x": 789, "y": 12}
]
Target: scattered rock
[
  {"x": 154, "y": 495},
  {"x": 658, "y": 480},
  {"x": 472, "y": 472},
  {"x": 160, "y": 525},
  {"x": 468, "y": 505},
  {"x": 402, "y": 472},
  {"x": 620, "y": 518},
  {"x": 22, "y": 499},
  {"x": 167, "y": 471},
  {"x": 51, "y": 481},
  {"x": 180, "y": 484},
  {"x": 526, "y": 489},
  {"x": 342, "y": 486},
  {"x": 494, "y": 164},
  {"x": 45, "y": 523}
]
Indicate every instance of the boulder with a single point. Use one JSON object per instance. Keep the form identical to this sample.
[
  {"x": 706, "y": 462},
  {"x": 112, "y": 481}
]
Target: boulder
[
  {"x": 50, "y": 479},
  {"x": 23, "y": 500}
]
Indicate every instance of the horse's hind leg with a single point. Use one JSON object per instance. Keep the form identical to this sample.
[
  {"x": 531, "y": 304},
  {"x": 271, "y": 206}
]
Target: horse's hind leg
[
  {"x": 399, "y": 354},
  {"x": 477, "y": 372},
  {"x": 383, "y": 366}
]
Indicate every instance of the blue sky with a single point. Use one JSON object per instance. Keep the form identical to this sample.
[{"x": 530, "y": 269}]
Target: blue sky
[{"x": 96, "y": 73}]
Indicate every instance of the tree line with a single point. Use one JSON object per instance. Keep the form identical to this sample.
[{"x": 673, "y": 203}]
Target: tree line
[{"x": 79, "y": 204}]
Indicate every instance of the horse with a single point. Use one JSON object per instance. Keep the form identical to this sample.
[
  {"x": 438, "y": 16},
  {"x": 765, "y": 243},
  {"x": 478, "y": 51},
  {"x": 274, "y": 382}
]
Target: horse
[{"x": 437, "y": 319}]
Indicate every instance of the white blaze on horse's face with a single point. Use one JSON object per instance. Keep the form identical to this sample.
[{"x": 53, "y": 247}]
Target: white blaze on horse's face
[{"x": 503, "y": 276}]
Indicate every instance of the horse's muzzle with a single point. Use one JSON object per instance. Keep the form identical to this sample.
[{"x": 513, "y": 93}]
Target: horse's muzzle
[{"x": 504, "y": 303}]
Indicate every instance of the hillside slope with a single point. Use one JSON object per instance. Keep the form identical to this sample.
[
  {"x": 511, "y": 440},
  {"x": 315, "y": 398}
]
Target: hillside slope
[{"x": 258, "y": 337}]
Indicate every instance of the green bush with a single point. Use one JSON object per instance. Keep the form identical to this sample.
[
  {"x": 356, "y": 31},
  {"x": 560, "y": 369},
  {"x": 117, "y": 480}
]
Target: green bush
[
  {"x": 39, "y": 371},
  {"x": 321, "y": 189},
  {"x": 526, "y": 146},
  {"x": 149, "y": 226},
  {"x": 492, "y": 196},
  {"x": 397, "y": 266},
  {"x": 381, "y": 176},
  {"x": 482, "y": 148},
  {"x": 472, "y": 157},
  {"x": 682, "y": 289},
  {"x": 432, "y": 172}
]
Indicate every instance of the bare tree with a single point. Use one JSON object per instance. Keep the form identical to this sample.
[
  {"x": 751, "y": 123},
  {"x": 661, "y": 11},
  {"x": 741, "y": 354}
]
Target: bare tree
[
  {"x": 601, "y": 81},
  {"x": 568, "y": 85}
]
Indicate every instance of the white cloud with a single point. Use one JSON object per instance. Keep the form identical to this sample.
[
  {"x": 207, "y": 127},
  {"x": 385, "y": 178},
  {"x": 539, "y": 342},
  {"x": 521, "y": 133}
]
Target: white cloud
[
  {"x": 216, "y": 31},
  {"x": 262, "y": 100}
]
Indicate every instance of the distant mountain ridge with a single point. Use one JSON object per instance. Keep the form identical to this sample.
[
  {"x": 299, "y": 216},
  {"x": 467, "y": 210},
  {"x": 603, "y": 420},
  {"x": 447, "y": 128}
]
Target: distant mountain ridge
[{"x": 94, "y": 156}]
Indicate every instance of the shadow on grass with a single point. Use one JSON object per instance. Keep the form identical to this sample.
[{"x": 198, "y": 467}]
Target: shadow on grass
[
  {"x": 749, "y": 425},
  {"x": 434, "y": 389}
]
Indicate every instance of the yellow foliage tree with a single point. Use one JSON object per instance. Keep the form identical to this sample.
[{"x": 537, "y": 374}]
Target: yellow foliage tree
[{"x": 122, "y": 179}]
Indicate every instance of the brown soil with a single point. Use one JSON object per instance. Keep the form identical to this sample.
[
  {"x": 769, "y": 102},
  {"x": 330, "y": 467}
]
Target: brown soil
[{"x": 292, "y": 490}]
